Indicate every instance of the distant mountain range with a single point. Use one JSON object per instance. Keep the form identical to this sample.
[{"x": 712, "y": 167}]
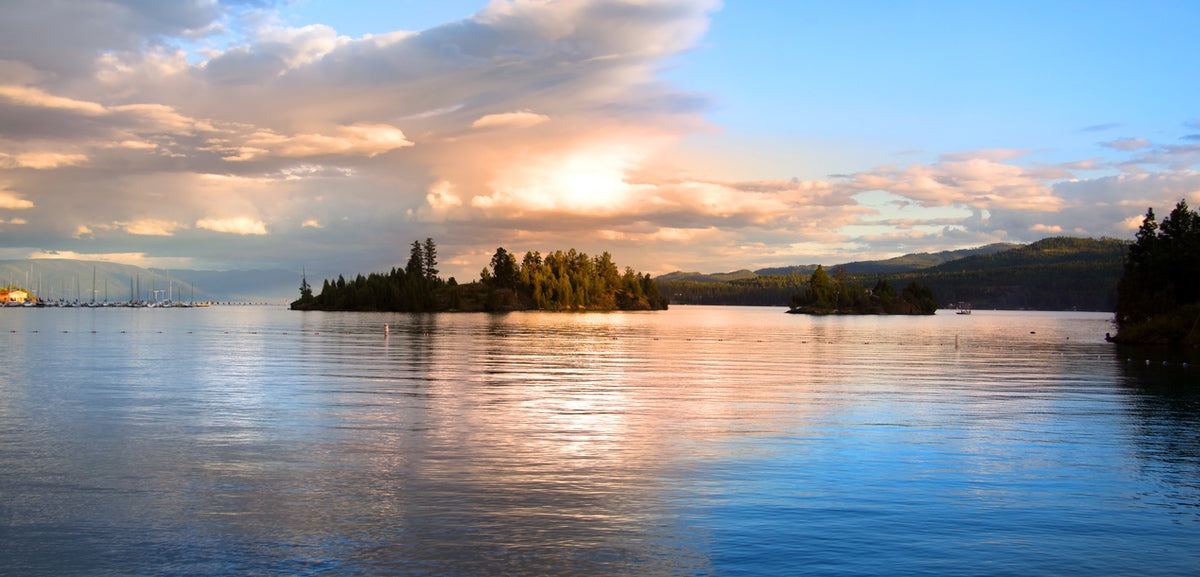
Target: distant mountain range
[
  {"x": 1058, "y": 273},
  {"x": 907, "y": 263},
  {"x": 54, "y": 279}
]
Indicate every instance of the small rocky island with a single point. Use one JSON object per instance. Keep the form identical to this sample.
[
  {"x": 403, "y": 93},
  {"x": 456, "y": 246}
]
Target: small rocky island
[{"x": 833, "y": 295}]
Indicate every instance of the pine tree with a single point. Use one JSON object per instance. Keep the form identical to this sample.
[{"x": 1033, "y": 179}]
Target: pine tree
[{"x": 430, "y": 262}]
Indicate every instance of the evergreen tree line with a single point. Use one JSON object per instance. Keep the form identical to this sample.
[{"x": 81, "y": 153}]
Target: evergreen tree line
[
  {"x": 565, "y": 281},
  {"x": 415, "y": 288},
  {"x": 559, "y": 281},
  {"x": 767, "y": 290},
  {"x": 840, "y": 294},
  {"x": 1158, "y": 298}
]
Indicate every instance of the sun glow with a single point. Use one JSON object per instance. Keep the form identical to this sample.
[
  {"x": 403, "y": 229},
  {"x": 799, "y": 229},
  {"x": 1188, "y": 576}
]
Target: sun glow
[{"x": 590, "y": 180}]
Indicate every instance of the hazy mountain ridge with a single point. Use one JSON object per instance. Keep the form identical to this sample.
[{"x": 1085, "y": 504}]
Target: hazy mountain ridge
[
  {"x": 54, "y": 279},
  {"x": 708, "y": 277},
  {"x": 905, "y": 263}
]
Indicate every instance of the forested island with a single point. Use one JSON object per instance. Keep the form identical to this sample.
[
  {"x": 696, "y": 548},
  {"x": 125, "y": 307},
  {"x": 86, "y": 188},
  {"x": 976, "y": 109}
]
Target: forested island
[
  {"x": 558, "y": 281},
  {"x": 839, "y": 295},
  {"x": 1158, "y": 298}
]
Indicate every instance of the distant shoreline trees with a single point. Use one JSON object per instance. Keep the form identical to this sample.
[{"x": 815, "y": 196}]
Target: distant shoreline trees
[
  {"x": 1158, "y": 297},
  {"x": 559, "y": 281},
  {"x": 837, "y": 295}
]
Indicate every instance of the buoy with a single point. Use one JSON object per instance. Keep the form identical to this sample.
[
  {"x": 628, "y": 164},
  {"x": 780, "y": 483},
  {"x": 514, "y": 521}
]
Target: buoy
[{"x": 386, "y": 330}]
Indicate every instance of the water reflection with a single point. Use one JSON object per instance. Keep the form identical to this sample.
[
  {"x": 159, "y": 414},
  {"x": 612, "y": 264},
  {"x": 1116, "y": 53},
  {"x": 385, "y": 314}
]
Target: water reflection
[
  {"x": 1164, "y": 402},
  {"x": 697, "y": 441}
]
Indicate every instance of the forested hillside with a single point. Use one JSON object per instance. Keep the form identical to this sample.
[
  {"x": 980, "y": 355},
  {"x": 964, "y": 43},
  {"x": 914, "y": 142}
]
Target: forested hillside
[{"x": 1060, "y": 273}]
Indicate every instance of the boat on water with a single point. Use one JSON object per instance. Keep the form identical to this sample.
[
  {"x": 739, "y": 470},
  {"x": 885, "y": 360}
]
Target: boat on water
[{"x": 963, "y": 309}]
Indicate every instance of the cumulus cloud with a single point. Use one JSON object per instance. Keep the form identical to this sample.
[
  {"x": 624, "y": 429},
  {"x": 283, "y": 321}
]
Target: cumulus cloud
[
  {"x": 155, "y": 127},
  {"x": 980, "y": 181}
]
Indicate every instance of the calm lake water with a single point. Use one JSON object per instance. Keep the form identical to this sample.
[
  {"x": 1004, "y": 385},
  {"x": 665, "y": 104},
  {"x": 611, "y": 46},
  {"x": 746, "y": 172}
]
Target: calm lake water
[{"x": 696, "y": 441}]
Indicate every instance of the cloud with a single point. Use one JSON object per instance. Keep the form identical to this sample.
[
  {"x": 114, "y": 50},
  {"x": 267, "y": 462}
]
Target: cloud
[
  {"x": 10, "y": 201},
  {"x": 41, "y": 160},
  {"x": 978, "y": 180},
  {"x": 521, "y": 119},
  {"x": 304, "y": 125},
  {"x": 442, "y": 198},
  {"x": 1127, "y": 144},
  {"x": 235, "y": 225},
  {"x": 358, "y": 140},
  {"x": 150, "y": 227},
  {"x": 65, "y": 38},
  {"x": 1132, "y": 223},
  {"x": 30, "y": 97},
  {"x": 1101, "y": 127},
  {"x": 534, "y": 125},
  {"x": 131, "y": 258}
]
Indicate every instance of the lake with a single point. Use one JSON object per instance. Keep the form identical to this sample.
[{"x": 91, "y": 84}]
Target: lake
[{"x": 252, "y": 440}]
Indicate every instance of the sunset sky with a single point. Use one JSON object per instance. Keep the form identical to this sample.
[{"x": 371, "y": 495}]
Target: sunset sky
[{"x": 675, "y": 134}]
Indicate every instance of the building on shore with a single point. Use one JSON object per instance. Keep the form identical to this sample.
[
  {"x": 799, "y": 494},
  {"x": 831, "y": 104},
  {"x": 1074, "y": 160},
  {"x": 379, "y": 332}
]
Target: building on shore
[{"x": 13, "y": 296}]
